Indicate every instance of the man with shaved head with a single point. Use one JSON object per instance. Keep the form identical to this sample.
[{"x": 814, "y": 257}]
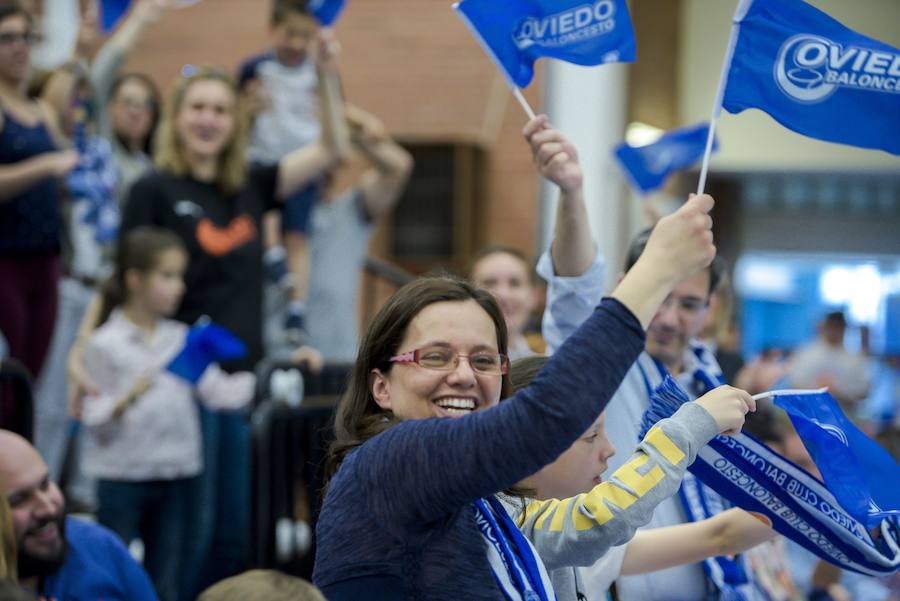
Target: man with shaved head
[{"x": 59, "y": 557}]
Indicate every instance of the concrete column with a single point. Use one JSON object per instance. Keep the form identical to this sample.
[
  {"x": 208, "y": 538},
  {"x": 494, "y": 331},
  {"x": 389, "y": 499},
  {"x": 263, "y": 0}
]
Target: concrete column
[{"x": 589, "y": 106}]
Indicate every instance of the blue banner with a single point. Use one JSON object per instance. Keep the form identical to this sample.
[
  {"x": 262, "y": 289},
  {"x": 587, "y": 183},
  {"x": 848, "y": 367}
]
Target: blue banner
[
  {"x": 648, "y": 167},
  {"x": 861, "y": 474},
  {"x": 814, "y": 76},
  {"x": 515, "y": 33},
  {"x": 326, "y": 12},
  {"x": 205, "y": 344},
  {"x": 795, "y": 503}
]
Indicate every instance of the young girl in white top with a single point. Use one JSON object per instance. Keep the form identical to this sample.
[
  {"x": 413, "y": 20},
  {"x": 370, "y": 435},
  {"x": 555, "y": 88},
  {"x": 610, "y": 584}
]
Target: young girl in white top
[{"x": 143, "y": 418}]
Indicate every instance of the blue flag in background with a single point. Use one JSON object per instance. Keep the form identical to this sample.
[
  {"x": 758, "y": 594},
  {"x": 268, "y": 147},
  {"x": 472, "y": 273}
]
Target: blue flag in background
[
  {"x": 515, "y": 33},
  {"x": 814, "y": 76},
  {"x": 861, "y": 474},
  {"x": 649, "y": 166},
  {"x": 326, "y": 12},
  {"x": 205, "y": 344},
  {"x": 110, "y": 13}
]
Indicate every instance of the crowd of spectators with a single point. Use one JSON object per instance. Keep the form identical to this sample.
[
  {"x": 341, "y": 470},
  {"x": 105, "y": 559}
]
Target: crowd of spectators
[{"x": 127, "y": 217}]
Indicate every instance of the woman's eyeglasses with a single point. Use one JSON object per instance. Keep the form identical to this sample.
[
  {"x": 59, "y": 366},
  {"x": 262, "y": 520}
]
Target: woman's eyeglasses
[{"x": 444, "y": 359}]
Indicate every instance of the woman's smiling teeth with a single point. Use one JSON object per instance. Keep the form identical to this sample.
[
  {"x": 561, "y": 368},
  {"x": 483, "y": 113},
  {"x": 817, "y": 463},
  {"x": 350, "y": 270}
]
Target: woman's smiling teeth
[{"x": 456, "y": 405}]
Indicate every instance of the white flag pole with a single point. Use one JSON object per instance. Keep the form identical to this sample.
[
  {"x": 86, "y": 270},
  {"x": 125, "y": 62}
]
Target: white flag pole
[
  {"x": 487, "y": 50},
  {"x": 524, "y": 103},
  {"x": 739, "y": 13},
  {"x": 798, "y": 391}
]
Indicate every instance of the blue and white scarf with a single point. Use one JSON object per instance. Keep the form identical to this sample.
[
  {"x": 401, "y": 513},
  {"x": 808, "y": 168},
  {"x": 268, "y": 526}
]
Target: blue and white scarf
[
  {"x": 795, "y": 503},
  {"x": 518, "y": 569},
  {"x": 728, "y": 575},
  {"x": 94, "y": 181}
]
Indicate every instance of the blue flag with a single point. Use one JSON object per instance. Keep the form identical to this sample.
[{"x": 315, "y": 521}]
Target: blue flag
[
  {"x": 110, "y": 13},
  {"x": 794, "y": 502},
  {"x": 814, "y": 76},
  {"x": 861, "y": 474},
  {"x": 649, "y": 166},
  {"x": 326, "y": 12},
  {"x": 515, "y": 33},
  {"x": 205, "y": 344}
]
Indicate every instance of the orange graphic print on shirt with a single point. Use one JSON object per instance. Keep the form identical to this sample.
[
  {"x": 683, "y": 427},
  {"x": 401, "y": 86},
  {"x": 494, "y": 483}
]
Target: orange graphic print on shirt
[{"x": 221, "y": 241}]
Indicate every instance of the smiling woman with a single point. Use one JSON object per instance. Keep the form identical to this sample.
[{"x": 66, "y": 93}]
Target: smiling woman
[
  {"x": 410, "y": 511},
  {"x": 205, "y": 192}
]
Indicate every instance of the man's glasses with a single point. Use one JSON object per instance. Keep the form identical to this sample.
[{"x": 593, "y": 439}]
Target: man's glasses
[
  {"x": 688, "y": 305},
  {"x": 444, "y": 359},
  {"x": 11, "y": 37}
]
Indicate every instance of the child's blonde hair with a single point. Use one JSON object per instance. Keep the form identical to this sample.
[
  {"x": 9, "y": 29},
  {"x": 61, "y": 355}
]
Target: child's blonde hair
[{"x": 262, "y": 585}]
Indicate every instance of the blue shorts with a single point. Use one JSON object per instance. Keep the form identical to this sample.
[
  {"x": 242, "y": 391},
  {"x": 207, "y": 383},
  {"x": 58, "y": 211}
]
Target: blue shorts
[{"x": 298, "y": 208}]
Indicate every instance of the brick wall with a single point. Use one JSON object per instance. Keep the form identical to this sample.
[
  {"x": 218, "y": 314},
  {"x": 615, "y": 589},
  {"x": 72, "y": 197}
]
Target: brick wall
[{"x": 412, "y": 62}]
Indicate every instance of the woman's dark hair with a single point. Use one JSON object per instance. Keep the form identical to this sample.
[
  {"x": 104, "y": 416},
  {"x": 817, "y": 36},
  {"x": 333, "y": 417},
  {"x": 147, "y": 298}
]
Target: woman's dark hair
[
  {"x": 139, "y": 249},
  {"x": 11, "y": 8},
  {"x": 155, "y": 106},
  {"x": 358, "y": 417}
]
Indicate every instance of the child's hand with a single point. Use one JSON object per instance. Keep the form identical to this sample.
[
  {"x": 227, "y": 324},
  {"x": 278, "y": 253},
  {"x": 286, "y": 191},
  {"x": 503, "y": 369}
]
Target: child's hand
[
  {"x": 141, "y": 385},
  {"x": 255, "y": 97},
  {"x": 554, "y": 154},
  {"x": 327, "y": 51},
  {"x": 149, "y": 11},
  {"x": 728, "y": 406},
  {"x": 307, "y": 355}
]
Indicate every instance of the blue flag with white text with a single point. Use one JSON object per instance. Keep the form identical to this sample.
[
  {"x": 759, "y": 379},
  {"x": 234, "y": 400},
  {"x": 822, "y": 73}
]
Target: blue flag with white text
[
  {"x": 326, "y": 12},
  {"x": 206, "y": 343},
  {"x": 814, "y": 76},
  {"x": 861, "y": 474},
  {"x": 649, "y": 166},
  {"x": 834, "y": 519},
  {"x": 515, "y": 33}
]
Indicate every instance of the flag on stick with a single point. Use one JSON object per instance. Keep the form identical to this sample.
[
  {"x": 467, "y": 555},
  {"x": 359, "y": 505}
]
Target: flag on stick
[
  {"x": 861, "y": 474},
  {"x": 648, "y": 167},
  {"x": 206, "y": 343},
  {"x": 814, "y": 75},
  {"x": 515, "y": 33}
]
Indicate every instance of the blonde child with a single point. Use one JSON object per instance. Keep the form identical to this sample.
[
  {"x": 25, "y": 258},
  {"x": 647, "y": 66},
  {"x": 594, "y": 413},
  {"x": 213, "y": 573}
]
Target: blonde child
[
  {"x": 143, "y": 418},
  {"x": 262, "y": 585},
  {"x": 572, "y": 483}
]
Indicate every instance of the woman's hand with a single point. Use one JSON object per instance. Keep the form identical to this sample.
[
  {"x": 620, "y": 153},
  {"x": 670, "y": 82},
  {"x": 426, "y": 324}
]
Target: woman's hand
[
  {"x": 682, "y": 243},
  {"x": 59, "y": 162},
  {"x": 365, "y": 128},
  {"x": 728, "y": 406}
]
